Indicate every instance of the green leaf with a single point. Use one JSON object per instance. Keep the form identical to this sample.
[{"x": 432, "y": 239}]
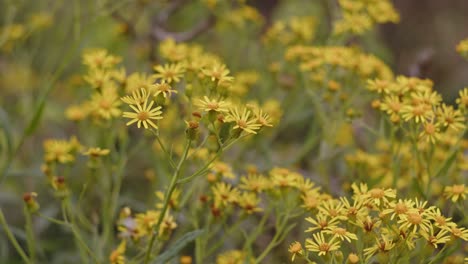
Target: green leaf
[
  {"x": 446, "y": 165},
  {"x": 178, "y": 246},
  {"x": 36, "y": 118},
  {"x": 5, "y": 126}
]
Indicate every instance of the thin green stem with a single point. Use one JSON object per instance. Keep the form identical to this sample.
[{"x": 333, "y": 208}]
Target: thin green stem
[
  {"x": 76, "y": 233},
  {"x": 167, "y": 198},
  {"x": 164, "y": 149},
  {"x": 12, "y": 239},
  {"x": 53, "y": 220},
  {"x": 30, "y": 234}
]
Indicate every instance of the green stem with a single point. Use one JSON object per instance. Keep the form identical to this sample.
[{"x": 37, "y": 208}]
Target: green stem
[
  {"x": 76, "y": 233},
  {"x": 53, "y": 220},
  {"x": 164, "y": 149},
  {"x": 167, "y": 198},
  {"x": 12, "y": 239},
  {"x": 203, "y": 169},
  {"x": 30, "y": 235}
]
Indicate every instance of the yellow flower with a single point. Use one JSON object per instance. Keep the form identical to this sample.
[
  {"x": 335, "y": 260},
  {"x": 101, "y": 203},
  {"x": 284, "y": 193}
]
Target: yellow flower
[
  {"x": 420, "y": 113},
  {"x": 145, "y": 222},
  {"x": 263, "y": 119},
  {"x": 462, "y": 47},
  {"x": 391, "y": 104},
  {"x": 98, "y": 78},
  {"x": 311, "y": 200},
  {"x": 77, "y": 112},
  {"x": 321, "y": 245},
  {"x": 295, "y": 248},
  {"x": 283, "y": 177},
  {"x": 207, "y": 105},
  {"x": 462, "y": 101},
  {"x": 173, "y": 201},
  {"x": 105, "y": 104},
  {"x": 224, "y": 194},
  {"x": 99, "y": 59},
  {"x": 254, "y": 182},
  {"x": 172, "y": 51},
  {"x": 144, "y": 114},
  {"x": 117, "y": 256},
  {"x": 382, "y": 245},
  {"x": 218, "y": 73},
  {"x": 233, "y": 257},
  {"x": 96, "y": 152},
  {"x": 456, "y": 192},
  {"x": 451, "y": 118},
  {"x": 430, "y": 132},
  {"x": 460, "y": 232},
  {"x": 379, "y": 86},
  {"x": 185, "y": 260},
  {"x": 379, "y": 196},
  {"x": 440, "y": 221},
  {"x": 164, "y": 89},
  {"x": 415, "y": 220},
  {"x": 58, "y": 151},
  {"x": 136, "y": 81},
  {"x": 243, "y": 121},
  {"x": 249, "y": 202},
  {"x": 223, "y": 169},
  {"x": 138, "y": 97},
  {"x": 321, "y": 222},
  {"x": 398, "y": 208},
  {"x": 440, "y": 237},
  {"x": 169, "y": 72},
  {"x": 332, "y": 209},
  {"x": 341, "y": 233},
  {"x": 426, "y": 97},
  {"x": 167, "y": 225},
  {"x": 368, "y": 223}
]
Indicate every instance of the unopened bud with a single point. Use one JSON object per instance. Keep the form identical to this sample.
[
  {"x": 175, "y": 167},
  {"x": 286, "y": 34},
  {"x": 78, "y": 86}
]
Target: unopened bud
[{"x": 29, "y": 199}]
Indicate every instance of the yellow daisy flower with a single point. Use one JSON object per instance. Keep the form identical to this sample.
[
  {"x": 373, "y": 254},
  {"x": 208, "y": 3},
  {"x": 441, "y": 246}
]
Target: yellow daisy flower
[
  {"x": 144, "y": 114},
  {"x": 321, "y": 245},
  {"x": 243, "y": 121},
  {"x": 169, "y": 72},
  {"x": 456, "y": 192}
]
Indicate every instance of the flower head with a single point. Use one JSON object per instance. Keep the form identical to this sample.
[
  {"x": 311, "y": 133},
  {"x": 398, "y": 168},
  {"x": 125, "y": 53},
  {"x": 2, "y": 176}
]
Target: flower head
[
  {"x": 144, "y": 114},
  {"x": 321, "y": 245}
]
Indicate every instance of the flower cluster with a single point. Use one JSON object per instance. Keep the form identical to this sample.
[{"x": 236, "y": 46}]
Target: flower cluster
[
  {"x": 296, "y": 30},
  {"x": 378, "y": 223},
  {"x": 358, "y": 16},
  {"x": 17, "y": 32},
  {"x": 413, "y": 102}
]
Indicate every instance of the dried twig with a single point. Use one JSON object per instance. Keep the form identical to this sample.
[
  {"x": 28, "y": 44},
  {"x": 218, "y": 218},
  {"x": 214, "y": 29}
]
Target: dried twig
[{"x": 159, "y": 33}]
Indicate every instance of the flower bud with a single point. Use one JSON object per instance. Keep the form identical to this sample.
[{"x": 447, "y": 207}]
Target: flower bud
[
  {"x": 29, "y": 199},
  {"x": 192, "y": 130},
  {"x": 352, "y": 259}
]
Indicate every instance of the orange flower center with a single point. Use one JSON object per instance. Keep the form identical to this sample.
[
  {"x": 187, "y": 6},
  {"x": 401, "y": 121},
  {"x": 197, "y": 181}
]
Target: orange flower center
[
  {"x": 415, "y": 218},
  {"x": 296, "y": 247},
  {"x": 440, "y": 220},
  {"x": 418, "y": 111},
  {"x": 377, "y": 193},
  {"x": 104, "y": 104},
  {"x": 458, "y": 189},
  {"x": 429, "y": 128},
  {"x": 142, "y": 116},
  {"x": 400, "y": 208},
  {"x": 242, "y": 123},
  {"x": 212, "y": 105},
  {"x": 324, "y": 247},
  {"x": 340, "y": 231}
]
